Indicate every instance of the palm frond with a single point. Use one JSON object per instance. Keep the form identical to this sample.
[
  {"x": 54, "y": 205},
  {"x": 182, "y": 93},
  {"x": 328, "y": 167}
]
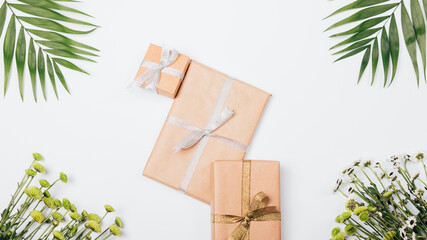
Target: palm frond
[
  {"x": 376, "y": 34},
  {"x": 42, "y": 44}
]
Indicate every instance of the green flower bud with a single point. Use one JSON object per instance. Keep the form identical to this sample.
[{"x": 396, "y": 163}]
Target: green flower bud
[
  {"x": 390, "y": 235},
  {"x": 55, "y": 223},
  {"x": 372, "y": 208},
  {"x": 88, "y": 237},
  {"x": 351, "y": 204},
  {"x": 74, "y": 230},
  {"x": 340, "y": 236},
  {"x": 69, "y": 226},
  {"x": 46, "y": 193},
  {"x": 345, "y": 215},
  {"x": 75, "y": 216},
  {"x": 388, "y": 194},
  {"x": 109, "y": 208},
  {"x": 335, "y": 231},
  {"x": 38, "y": 167},
  {"x": 58, "y": 235},
  {"x": 350, "y": 229},
  {"x": 30, "y": 172},
  {"x": 364, "y": 216},
  {"x": 94, "y": 217},
  {"x": 58, "y": 203},
  {"x": 118, "y": 222},
  {"x": 94, "y": 226},
  {"x": 44, "y": 183},
  {"x": 115, "y": 230},
  {"x": 37, "y": 216},
  {"x": 57, "y": 216},
  {"x": 73, "y": 208},
  {"x": 63, "y": 177},
  {"x": 34, "y": 192},
  {"x": 420, "y": 156},
  {"x": 37, "y": 156},
  {"x": 360, "y": 209},
  {"x": 66, "y": 203},
  {"x": 50, "y": 203},
  {"x": 339, "y": 219},
  {"x": 84, "y": 214}
]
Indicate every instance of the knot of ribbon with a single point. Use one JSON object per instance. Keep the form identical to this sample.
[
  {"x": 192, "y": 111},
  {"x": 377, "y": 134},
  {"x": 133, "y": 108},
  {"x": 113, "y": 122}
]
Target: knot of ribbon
[
  {"x": 152, "y": 75},
  {"x": 259, "y": 211},
  {"x": 197, "y": 134}
]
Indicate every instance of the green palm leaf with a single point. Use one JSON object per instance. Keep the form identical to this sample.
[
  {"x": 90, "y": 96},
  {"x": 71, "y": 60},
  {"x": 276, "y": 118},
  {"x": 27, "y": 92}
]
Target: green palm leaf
[
  {"x": 51, "y": 38},
  {"x": 370, "y": 36}
]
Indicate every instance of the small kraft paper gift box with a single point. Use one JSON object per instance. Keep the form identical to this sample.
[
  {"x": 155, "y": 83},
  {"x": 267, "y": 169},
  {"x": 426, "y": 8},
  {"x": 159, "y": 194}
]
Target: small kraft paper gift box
[
  {"x": 162, "y": 71},
  {"x": 246, "y": 200},
  {"x": 213, "y": 117}
]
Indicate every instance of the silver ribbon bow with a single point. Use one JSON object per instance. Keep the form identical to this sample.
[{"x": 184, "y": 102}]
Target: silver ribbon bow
[
  {"x": 199, "y": 137},
  {"x": 152, "y": 75},
  {"x": 197, "y": 134}
]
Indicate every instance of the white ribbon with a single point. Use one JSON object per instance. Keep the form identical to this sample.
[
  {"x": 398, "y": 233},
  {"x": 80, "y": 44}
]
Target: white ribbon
[
  {"x": 152, "y": 75},
  {"x": 199, "y": 137}
]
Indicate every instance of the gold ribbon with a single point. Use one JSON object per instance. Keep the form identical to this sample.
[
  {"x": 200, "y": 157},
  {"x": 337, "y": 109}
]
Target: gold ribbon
[{"x": 255, "y": 210}]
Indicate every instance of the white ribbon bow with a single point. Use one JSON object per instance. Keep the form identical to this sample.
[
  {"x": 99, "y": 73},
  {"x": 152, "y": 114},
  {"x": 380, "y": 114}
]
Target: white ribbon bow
[
  {"x": 196, "y": 135},
  {"x": 152, "y": 75}
]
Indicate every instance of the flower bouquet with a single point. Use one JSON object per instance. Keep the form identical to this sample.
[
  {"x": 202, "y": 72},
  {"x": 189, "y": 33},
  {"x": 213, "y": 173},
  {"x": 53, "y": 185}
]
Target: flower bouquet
[
  {"x": 33, "y": 213},
  {"x": 385, "y": 200}
]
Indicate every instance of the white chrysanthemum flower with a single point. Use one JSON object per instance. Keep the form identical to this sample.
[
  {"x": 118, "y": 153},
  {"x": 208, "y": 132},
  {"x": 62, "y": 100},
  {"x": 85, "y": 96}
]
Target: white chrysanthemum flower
[
  {"x": 380, "y": 214},
  {"x": 377, "y": 165},
  {"x": 411, "y": 222},
  {"x": 396, "y": 164},
  {"x": 414, "y": 236},
  {"x": 350, "y": 189},
  {"x": 338, "y": 184},
  {"x": 392, "y": 175},
  {"x": 393, "y": 158},
  {"x": 402, "y": 232}
]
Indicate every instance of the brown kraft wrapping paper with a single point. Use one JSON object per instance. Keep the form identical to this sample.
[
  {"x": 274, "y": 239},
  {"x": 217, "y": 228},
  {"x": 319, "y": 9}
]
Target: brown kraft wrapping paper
[
  {"x": 194, "y": 104},
  {"x": 168, "y": 84},
  {"x": 228, "y": 198}
]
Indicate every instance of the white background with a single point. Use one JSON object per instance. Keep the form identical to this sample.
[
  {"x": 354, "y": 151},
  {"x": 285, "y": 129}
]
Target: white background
[{"x": 318, "y": 120}]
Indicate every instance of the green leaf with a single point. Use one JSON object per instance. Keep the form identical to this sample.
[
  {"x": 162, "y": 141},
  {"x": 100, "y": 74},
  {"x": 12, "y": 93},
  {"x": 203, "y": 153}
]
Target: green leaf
[
  {"x": 356, "y": 45},
  {"x": 21, "y": 53},
  {"x": 41, "y": 67},
  {"x": 420, "y": 30},
  {"x": 67, "y": 54},
  {"x": 357, "y": 37},
  {"x": 69, "y": 65},
  {"x": 363, "y": 26},
  {"x": 394, "y": 46},
  {"x": 357, "y": 4},
  {"x": 60, "y": 76},
  {"x": 3, "y": 13},
  {"x": 32, "y": 67},
  {"x": 385, "y": 54},
  {"x": 51, "y": 75},
  {"x": 61, "y": 46},
  {"x": 375, "y": 55},
  {"x": 52, "y": 5},
  {"x": 364, "y": 14},
  {"x": 9, "y": 50},
  {"x": 410, "y": 38},
  {"x": 47, "y": 13},
  {"x": 352, "y": 53},
  {"x": 365, "y": 61},
  {"x": 56, "y": 37},
  {"x": 52, "y": 25}
]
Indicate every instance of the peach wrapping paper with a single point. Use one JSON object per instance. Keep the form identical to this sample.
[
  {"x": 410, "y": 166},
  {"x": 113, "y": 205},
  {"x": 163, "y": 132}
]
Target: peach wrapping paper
[
  {"x": 168, "y": 84},
  {"x": 194, "y": 104},
  {"x": 227, "y": 196}
]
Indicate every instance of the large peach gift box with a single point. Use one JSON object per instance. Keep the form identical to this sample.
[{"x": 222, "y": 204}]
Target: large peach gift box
[{"x": 213, "y": 117}]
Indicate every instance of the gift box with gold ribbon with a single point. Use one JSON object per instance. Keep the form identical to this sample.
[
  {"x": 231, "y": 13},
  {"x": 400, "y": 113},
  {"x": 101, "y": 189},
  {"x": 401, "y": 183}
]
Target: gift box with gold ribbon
[
  {"x": 246, "y": 200},
  {"x": 161, "y": 71},
  {"x": 213, "y": 117}
]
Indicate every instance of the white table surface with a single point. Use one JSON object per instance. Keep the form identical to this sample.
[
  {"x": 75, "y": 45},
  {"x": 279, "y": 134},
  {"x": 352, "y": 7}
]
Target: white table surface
[{"x": 318, "y": 120}]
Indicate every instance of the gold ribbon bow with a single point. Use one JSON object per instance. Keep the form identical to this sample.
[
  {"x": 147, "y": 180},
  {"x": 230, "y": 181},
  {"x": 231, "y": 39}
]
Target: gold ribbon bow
[{"x": 257, "y": 210}]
